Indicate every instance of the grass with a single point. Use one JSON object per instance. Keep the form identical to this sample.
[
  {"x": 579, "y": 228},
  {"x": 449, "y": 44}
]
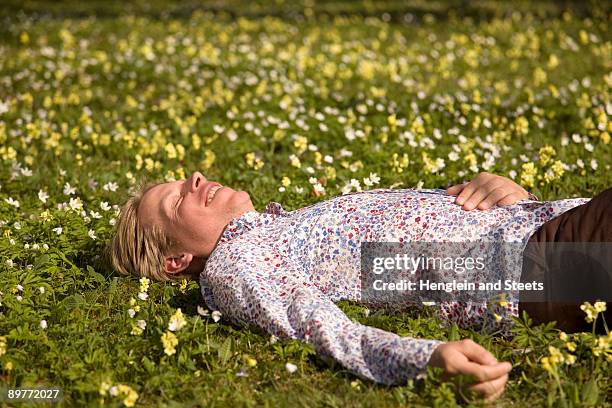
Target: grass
[{"x": 97, "y": 95}]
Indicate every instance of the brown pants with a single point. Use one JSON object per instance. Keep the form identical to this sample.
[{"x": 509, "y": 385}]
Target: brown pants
[{"x": 587, "y": 223}]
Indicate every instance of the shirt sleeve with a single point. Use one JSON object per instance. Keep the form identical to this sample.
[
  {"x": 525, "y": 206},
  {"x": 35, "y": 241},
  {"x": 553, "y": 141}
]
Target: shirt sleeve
[{"x": 264, "y": 290}]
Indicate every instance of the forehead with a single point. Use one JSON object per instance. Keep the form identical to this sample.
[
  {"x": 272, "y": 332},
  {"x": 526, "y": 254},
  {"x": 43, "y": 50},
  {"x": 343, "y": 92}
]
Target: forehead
[{"x": 157, "y": 200}]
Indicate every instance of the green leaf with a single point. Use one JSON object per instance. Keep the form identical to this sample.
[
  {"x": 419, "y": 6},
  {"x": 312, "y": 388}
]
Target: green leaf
[
  {"x": 225, "y": 351},
  {"x": 590, "y": 392},
  {"x": 97, "y": 276}
]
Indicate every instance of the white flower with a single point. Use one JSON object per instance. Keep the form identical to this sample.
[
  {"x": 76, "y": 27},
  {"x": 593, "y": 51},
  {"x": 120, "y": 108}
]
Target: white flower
[
  {"x": 114, "y": 391},
  {"x": 131, "y": 312},
  {"x": 104, "y": 206},
  {"x": 41, "y": 289},
  {"x": 19, "y": 298},
  {"x": 4, "y": 107},
  {"x": 43, "y": 324},
  {"x": 95, "y": 214},
  {"x": 45, "y": 246},
  {"x": 143, "y": 295},
  {"x": 17, "y": 225},
  {"x": 216, "y": 315},
  {"x": 318, "y": 188},
  {"x": 92, "y": 184},
  {"x": 42, "y": 196},
  {"x": 594, "y": 164},
  {"x": 112, "y": 221},
  {"x": 92, "y": 234},
  {"x": 12, "y": 202},
  {"x": 111, "y": 186},
  {"x": 512, "y": 174},
  {"x": 273, "y": 339},
  {"x": 232, "y": 135},
  {"x": 76, "y": 204},
  {"x": 202, "y": 311},
  {"x": 141, "y": 323},
  {"x": 68, "y": 189},
  {"x": 291, "y": 368},
  {"x": 58, "y": 230},
  {"x": 35, "y": 247},
  {"x": 19, "y": 288}
]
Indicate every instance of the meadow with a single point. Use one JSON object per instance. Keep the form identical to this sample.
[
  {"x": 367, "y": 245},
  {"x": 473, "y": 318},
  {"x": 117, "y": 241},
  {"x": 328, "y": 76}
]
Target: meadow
[{"x": 294, "y": 102}]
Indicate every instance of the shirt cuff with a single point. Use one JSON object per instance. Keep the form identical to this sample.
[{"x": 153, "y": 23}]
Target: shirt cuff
[{"x": 533, "y": 197}]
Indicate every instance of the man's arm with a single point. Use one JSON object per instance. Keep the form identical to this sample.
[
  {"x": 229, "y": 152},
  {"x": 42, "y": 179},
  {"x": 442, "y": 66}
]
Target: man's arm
[
  {"x": 263, "y": 289},
  {"x": 267, "y": 291},
  {"x": 487, "y": 190}
]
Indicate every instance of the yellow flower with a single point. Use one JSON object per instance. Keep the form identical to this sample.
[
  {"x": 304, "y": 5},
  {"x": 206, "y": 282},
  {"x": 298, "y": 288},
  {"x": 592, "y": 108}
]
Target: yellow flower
[
  {"x": 130, "y": 395},
  {"x": 546, "y": 153},
  {"x": 46, "y": 216},
  {"x": 555, "y": 355},
  {"x": 300, "y": 143},
  {"x": 599, "y": 307},
  {"x": 8, "y": 366},
  {"x": 169, "y": 341},
  {"x": 521, "y": 125},
  {"x": 209, "y": 159},
  {"x": 546, "y": 365},
  {"x": 528, "y": 174},
  {"x": 399, "y": 164},
  {"x": 570, "y": 359},
  {"x": 177, "y": 321},
  {"x": 602, "y": 346},
  {"x": 104, "y": 387},
  {"x": 253, "y": 161},
  {"x": 570, "y": 345},
  {"x": 591, "y": 312},
  {"x": 2, "y": 345},
  {"x": 250, "y": 361},
  {"x": 286, "y": 181},
  {"x": 563, "y": 336},
  {"x": 144, "y": 284}
]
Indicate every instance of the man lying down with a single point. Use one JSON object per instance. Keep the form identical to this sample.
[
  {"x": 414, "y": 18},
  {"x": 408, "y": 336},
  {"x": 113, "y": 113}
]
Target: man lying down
[{"x": 283, "y": 270}]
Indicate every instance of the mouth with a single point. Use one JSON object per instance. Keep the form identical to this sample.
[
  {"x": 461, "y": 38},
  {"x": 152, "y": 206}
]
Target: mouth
[{"x": 210, "y": 192}]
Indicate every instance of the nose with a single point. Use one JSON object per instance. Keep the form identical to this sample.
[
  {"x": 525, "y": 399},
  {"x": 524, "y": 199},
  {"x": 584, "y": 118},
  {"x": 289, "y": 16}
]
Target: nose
[{"x": 196, "y": 180}]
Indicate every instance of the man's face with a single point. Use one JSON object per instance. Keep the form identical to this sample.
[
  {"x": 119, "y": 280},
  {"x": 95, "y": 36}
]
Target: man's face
[{"x": 182, "y": 210}]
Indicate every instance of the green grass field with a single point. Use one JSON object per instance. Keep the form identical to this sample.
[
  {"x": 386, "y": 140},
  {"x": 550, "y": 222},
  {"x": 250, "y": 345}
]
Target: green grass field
[{"x": 276, "y": 99}]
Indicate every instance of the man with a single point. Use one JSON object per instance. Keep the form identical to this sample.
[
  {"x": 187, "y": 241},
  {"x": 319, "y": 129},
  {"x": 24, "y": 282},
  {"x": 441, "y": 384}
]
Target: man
[{"x": 282, "y": 271}]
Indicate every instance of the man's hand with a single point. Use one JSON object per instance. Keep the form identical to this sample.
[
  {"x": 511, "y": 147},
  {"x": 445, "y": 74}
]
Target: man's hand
[
  {"x": 468, "y": 358},
  {"x": 487, "y": 190}
]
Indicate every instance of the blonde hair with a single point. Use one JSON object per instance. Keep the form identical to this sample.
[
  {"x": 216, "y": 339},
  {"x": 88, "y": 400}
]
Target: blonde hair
[{"x": 138, "y": 250}]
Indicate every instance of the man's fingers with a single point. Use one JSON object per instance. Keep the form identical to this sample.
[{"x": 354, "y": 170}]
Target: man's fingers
[
  {"x": 512, "y": 198},
  {"x": 491, "y": 389},
  {"x": 475, "y": 352},
  {"x": 493, "y": 198},
  {"x": 485, "y": 373},
  {"x": 477, "y": 193},
  {"x": 456, "y": 189}
]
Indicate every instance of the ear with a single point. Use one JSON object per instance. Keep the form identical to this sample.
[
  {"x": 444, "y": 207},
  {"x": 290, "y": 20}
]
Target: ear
[{"x": 177, "y": 263}]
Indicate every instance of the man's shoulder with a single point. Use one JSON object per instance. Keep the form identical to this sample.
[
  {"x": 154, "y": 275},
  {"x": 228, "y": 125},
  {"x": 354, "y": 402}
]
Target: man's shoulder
[{"x": 239, "y": 252}]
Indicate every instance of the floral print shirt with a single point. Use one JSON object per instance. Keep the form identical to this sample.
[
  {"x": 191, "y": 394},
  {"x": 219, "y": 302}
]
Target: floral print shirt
[{"x": 282, "y": 271}]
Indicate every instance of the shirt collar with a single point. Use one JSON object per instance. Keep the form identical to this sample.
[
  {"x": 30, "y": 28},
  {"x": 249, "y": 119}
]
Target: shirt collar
[{"x": 250, "y": 220}]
